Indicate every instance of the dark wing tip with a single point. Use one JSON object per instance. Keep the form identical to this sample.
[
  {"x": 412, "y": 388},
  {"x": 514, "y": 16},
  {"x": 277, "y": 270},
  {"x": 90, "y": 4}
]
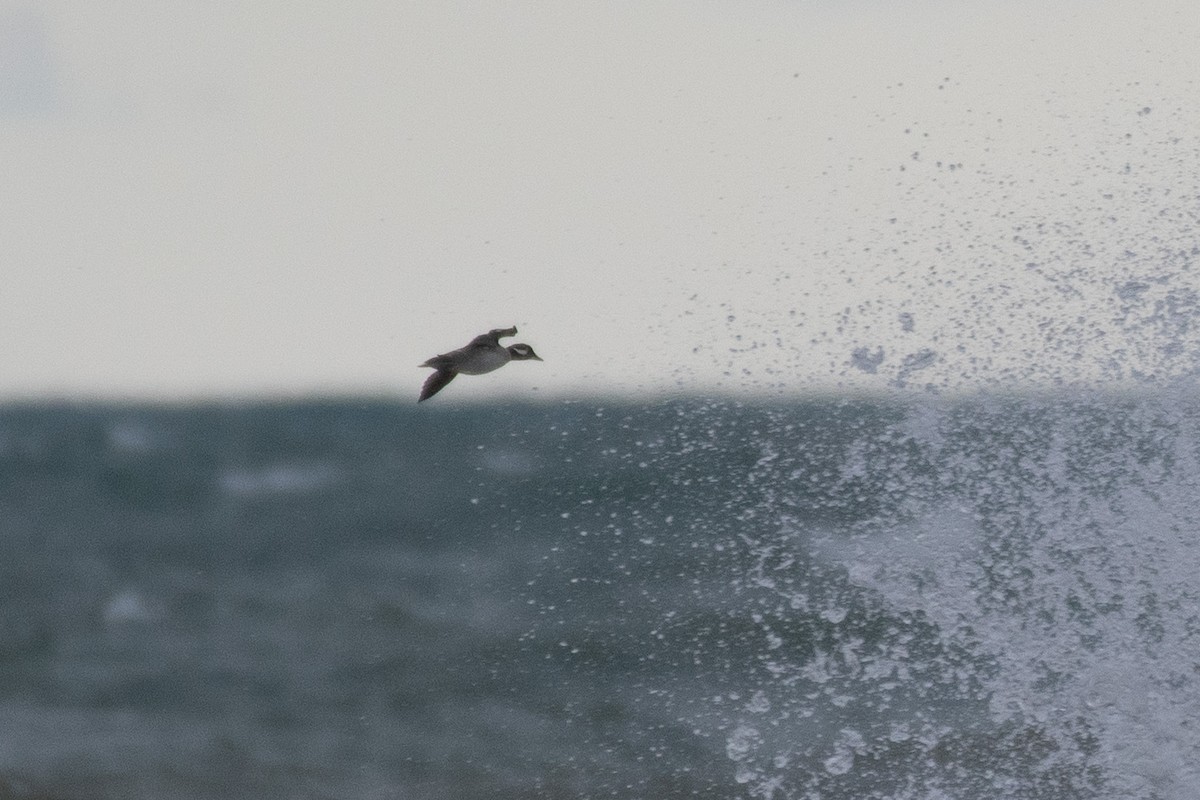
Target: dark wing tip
[{"x": 435, "y": 383}]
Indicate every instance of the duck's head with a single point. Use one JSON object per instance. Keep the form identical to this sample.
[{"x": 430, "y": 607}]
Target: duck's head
[{"x": 523, "y": 352}]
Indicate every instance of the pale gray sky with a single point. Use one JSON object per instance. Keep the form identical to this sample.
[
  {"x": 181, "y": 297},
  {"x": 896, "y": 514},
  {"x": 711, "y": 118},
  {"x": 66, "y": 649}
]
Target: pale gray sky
[{"x": 232, "y": 198}]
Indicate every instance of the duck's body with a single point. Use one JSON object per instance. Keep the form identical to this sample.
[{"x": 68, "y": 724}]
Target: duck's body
[{"x": 484, "y": 354}]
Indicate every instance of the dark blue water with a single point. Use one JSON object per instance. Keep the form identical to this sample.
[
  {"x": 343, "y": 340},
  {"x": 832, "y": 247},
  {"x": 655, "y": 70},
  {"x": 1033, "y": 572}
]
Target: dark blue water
[{"x": 983, "y": 598}]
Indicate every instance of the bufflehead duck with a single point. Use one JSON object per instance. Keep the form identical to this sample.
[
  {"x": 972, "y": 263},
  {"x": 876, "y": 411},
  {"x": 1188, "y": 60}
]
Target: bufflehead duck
[{"x": 483, "y": 354}]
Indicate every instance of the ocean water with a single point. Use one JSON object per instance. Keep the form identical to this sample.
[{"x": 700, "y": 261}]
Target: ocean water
[{"x": 988, "y": 597}]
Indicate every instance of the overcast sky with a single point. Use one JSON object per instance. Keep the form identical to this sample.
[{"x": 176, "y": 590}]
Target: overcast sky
[{"x": 215, "y": 199}]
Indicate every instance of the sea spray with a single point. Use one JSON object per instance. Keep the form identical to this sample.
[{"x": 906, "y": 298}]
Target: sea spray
[{"x": 1015, "y": 616}]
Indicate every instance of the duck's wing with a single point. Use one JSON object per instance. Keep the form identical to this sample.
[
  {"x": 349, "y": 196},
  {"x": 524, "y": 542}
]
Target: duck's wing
[
  {"x": 435, "y": 383},
  {"x": 492, "y": 338},
  {"x": 500, "y": 333}
]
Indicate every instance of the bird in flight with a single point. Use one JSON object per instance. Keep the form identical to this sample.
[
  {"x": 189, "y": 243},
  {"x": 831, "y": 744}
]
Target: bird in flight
[{"x": 484, "y": 354}]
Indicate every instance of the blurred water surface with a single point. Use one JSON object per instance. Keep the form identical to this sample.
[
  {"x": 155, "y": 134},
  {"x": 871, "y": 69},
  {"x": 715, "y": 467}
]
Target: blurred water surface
[{"x": 990, "y": 597}]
